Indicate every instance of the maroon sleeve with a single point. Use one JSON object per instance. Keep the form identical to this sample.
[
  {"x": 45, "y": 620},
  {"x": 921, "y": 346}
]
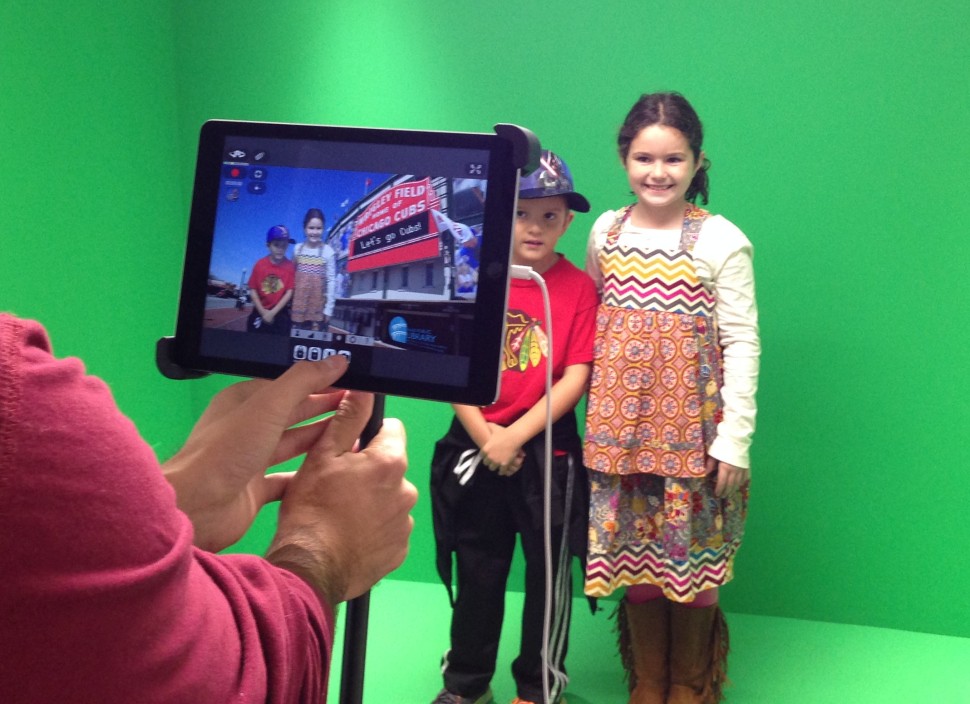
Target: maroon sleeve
[{"x": 103, "y": 598}]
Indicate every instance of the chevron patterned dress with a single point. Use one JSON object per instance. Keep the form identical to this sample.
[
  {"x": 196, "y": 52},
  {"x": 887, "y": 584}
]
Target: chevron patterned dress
[
  {"x": 309, "y": 290},
  {"x": 653, "y": 408}
]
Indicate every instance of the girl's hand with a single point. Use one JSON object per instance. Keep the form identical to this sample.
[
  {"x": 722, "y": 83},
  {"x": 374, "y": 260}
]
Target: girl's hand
[{"x": 729, "y": 477}]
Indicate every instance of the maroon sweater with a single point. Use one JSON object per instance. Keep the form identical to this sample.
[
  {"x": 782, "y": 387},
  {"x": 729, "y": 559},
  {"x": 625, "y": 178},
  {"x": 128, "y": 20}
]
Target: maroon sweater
[{"x": 103, "y": 598}]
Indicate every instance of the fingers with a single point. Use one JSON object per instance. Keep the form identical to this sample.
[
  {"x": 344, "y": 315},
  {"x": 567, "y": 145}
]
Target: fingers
[
  {"x": 353, "y": 507},
  {"x": 729, "y": 478},
  {"x": 346, "y": 424},
  {"x": 274, "y": 486},
  {"x": 391, "y": 441},
  {"x": 315, "y": 405},
  {"x": 278, "y": 400},
  {"x": 720, "y": 489},
  {"x": 383, "y": 500},
  {"x": 298, "y": 440}
]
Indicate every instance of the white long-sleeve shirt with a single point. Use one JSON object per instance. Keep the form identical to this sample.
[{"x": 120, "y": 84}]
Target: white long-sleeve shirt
[{"x": 723, "y": 259}]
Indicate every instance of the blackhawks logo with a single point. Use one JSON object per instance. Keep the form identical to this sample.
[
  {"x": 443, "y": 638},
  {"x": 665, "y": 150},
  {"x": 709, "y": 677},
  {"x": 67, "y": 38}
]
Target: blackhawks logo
[
  {"x": 525, "y": 342},
  {"x": 271, "y": 284}
]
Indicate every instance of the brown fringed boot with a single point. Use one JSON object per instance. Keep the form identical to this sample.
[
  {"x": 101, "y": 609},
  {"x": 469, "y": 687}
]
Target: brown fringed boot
[
  {"x": 698, "y": 654},
  {"x": 644, "y": 641}
]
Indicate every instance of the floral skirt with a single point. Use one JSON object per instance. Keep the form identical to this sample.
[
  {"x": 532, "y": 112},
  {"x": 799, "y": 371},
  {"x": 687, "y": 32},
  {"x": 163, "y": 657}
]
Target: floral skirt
[
  {"x": 671, "y": 532},
  {"x": 308, "y": 297}
]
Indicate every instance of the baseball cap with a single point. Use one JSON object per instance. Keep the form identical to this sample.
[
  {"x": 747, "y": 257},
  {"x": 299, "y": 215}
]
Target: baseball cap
[
  {"x": 278, "y": 232},
  {"x": 552, "y": 178}
]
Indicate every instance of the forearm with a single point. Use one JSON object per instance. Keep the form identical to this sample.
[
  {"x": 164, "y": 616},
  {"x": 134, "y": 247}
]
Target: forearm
[
  {"x": 330, "y": 289},
  {"x": 736, "y": 428},
  {"x": 282, "y": 302},
  {"x": 257, "y": 304},
  {"x": 566, "y": 393},
  {"x": 313, "y": 564},
  {"x": 474, "y": 423}
]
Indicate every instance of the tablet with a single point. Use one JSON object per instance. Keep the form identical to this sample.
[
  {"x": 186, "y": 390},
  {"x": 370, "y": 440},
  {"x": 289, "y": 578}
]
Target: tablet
[{"x": 390, "y": 247}]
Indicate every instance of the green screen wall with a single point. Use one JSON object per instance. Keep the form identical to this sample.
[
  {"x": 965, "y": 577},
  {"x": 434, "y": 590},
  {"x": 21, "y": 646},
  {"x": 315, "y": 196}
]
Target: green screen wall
[{"x": 838, "y": 138}]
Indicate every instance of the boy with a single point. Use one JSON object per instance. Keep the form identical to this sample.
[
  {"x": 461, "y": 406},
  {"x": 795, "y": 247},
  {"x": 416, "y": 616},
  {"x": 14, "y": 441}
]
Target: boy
[
  {"x": 487, "y": 472},
  {"x": 271, "y": 285}
]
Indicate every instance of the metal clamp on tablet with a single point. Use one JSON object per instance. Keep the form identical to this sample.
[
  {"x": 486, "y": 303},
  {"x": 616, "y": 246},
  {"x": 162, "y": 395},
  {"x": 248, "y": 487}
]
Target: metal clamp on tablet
[{"x": 169, "y": 368}]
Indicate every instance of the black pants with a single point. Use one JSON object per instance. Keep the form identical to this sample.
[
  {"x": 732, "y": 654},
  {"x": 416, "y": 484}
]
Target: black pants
[
  {"x": 486, "y": 521},
  {"x": 280, "y": 326}
]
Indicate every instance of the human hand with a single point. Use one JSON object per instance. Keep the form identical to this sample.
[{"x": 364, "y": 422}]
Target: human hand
[
  {"x": 502, "y": 452},
  {"x": 729, "y": 477},
  {"x": 345, "y": 520},
  {"x": 268, "y": 317},
  {"x": 219, "y": 474},
  {"x": 514, "y": 466}
]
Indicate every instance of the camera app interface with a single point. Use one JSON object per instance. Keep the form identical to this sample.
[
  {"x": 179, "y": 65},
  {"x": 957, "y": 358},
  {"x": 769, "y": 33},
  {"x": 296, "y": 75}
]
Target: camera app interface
[{"x": 315, "y": 253}]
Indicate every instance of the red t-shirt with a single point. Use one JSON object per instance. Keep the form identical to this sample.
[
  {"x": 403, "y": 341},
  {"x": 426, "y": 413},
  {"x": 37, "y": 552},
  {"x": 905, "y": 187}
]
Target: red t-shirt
[
  {"x": 271, "y": 281},
  {"x": 103, "y": 598},
  {"x": 573, "y": 300}
]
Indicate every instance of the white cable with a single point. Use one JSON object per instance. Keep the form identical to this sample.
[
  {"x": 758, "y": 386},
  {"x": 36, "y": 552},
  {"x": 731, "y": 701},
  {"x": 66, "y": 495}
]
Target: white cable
[{"x": 525, "y": 272}]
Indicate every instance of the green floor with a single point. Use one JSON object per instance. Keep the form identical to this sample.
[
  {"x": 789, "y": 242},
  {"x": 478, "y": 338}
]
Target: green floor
[{"x": 773, "y": 660}]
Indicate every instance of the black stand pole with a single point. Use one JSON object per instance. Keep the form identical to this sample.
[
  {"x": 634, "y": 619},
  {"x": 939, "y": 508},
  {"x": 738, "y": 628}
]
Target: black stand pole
[{"x": 355, "y": 622}]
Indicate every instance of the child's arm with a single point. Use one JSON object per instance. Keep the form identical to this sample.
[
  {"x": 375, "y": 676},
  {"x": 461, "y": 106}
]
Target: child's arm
[
  {"x": 504, "y": 444},
  {"x": 281, "y": 305},
  {"x": 258, "y": 303},
  {"x": 330, "y": 272},
  {"x": 474, "y": 422},
  {"x": 269, "y": 314}
]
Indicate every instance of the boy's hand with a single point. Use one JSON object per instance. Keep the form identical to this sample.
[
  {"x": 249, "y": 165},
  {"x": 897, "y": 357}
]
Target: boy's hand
[
  {"x": 514, "y": 467},
  {"x": 503, "y": 451}
]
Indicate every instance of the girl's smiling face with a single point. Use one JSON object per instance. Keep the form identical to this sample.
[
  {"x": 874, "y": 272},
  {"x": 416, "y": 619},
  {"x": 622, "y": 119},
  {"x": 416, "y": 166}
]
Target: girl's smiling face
[
  {"x": 660, "y": 167},
  {"x": 313, "y": 230}
]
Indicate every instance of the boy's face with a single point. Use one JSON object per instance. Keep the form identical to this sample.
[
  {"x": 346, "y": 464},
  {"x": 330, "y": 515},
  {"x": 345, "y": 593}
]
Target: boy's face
[
  {"x": 539, "y": 223},
  {"x": 277, "y": 250}
]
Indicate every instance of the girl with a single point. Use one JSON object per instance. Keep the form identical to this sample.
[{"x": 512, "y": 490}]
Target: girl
[
  {"x": 671, "y": 408},
  {"x": 313, "y": 294}
]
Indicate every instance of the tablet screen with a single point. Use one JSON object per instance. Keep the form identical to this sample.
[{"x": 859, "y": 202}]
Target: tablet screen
[{"x": 388, "y": 246}]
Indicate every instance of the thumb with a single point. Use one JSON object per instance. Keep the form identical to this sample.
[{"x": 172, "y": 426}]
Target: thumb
[
  {"x": 274, "y": 486},
  {"x": 346, "y": 424}
]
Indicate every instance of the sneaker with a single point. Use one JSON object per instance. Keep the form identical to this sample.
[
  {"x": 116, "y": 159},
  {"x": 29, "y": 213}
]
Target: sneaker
[{"x": 446, "y": 697}]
